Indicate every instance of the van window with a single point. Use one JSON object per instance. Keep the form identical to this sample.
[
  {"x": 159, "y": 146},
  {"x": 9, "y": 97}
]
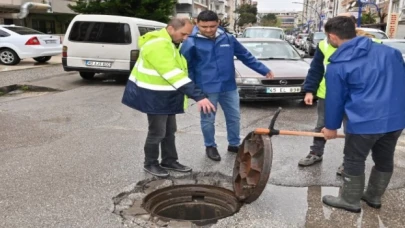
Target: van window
[
  {"x": 100, "y": 32},
  {"x": 143, "y": 30}
]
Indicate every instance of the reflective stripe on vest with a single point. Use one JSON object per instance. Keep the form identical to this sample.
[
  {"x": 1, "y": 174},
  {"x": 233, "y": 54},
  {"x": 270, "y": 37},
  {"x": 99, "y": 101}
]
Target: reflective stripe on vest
[
  {"x": 327, "y": 51},
  {"x": 150, "y": 79}
]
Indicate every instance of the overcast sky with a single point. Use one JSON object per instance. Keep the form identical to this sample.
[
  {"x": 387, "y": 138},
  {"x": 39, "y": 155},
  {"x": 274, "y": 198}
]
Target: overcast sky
[{"x": 279, "y": 5}]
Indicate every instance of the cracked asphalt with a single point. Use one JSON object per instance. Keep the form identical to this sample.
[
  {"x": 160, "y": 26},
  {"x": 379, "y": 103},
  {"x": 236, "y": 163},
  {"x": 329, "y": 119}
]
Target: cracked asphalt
[{"x": 65, "y": 155}]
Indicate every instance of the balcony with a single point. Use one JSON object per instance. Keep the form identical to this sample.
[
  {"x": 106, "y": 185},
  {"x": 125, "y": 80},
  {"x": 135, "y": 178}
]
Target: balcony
[
  {"x": 190, "y": 2},
  {"x": 18, "y": 2}
]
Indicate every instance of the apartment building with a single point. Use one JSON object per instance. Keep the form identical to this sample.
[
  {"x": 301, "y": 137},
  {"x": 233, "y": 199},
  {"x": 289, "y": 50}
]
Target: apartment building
[
  {"x": 224, "y": 8},
  {"x": 48, "y": 16},
  {"x": 287, "y": 18}
]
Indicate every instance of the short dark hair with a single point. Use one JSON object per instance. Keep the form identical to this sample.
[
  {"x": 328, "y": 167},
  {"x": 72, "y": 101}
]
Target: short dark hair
[
  {"x": 353, "y": 19},
  {"x": 178, "y": 23},
  {"x": 341, "y": 26},
  {"x": 207, "y": 15}
]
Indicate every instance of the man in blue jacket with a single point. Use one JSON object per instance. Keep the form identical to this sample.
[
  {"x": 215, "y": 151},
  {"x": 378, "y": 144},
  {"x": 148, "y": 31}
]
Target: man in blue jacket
[
  {"x": 210, "y": 52},
  {"x": 365, "y": 82}
]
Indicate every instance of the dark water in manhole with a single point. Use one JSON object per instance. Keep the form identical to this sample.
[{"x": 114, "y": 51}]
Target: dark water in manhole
[{"x": 201, "y": 204}]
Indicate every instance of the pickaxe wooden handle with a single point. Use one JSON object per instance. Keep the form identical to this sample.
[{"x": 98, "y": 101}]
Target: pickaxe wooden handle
[
  {"x": 271, "y": 131},
  {"x": 265, "y": 131}
]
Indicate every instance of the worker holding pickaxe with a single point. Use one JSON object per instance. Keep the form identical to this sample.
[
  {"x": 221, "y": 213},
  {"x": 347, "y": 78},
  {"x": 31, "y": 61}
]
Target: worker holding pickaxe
[{"x": 366, "y": 85}]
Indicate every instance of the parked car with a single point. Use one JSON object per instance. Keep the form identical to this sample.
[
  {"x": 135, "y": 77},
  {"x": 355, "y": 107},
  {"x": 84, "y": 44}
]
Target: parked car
[
  {"x": 396, "y": 43},
  {"x": 280, "y": 56},
  {"x": 104, "y": 44},
  {"x": 379, "y": 34},
  {"x": 264, "y": 32},
  {"x": 312, "y": 42},
  {"x": 18, "y": 42},
  {"x": 303, "y": 43},
  {"x": 297, "y": 41}
]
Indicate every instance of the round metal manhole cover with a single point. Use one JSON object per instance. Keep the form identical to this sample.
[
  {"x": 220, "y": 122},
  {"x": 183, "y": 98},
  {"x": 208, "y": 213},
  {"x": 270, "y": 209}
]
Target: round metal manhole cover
[
  {"x": 199, "y": 204},
  {"x": 252, "y": 167}
]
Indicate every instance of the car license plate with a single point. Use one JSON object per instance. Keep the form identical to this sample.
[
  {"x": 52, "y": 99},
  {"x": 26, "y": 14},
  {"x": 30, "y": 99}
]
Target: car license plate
[
  {"x": 50, "y": 41},
  {"x": 283, "y": 89},
  {"x": 98, "y": 64}
]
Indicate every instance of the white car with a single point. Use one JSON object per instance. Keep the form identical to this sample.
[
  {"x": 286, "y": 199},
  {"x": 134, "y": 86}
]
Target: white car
[
  {"x": 378, "y": 34},
  {"x": 17, "y": 43}
]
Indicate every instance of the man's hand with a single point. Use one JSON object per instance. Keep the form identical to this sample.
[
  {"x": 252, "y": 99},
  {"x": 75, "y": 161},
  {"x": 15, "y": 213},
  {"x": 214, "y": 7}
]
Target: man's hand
[
  {"x": 329, "y": 134},
  {"x": 308, "y": 98},
  {"x": 206, "y": 106},
  {"x": 270, "y": 75}
]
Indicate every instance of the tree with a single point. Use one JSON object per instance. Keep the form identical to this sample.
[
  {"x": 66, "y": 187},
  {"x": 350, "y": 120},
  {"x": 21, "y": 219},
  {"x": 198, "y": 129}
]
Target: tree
[
  {"x": 367, "y": 18},
  {"x": 247, "y": 14},
  {"x": 270, "y": 19},
  {"x": 158, "y": 10}
]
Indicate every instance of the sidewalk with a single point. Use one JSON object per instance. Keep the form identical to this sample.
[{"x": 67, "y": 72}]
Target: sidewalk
[{"x": 31, "y": 63}]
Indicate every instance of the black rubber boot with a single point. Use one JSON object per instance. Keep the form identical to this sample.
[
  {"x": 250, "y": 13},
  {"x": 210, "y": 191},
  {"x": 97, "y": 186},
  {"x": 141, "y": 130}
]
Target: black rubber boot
[
  {"x": 377, "y": 184},
  {"x": 351, "y": 192}
]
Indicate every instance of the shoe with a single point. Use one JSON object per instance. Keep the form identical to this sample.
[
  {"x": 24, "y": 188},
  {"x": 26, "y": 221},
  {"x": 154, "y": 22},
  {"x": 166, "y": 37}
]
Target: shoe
[
  {"x": 310, "y": 159},
  {"x": 339, "y": 170},
  {"x": 156, "y": 170},
  {"x": 233, "y": 149},
  {"x": 212, "y": 153},
  {"x": 175, "y": 166},
  {"x": 377, "y": 184},
  {"x": 351, "y": 192}
]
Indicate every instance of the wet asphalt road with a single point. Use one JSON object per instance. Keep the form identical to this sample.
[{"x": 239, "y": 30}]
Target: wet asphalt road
[{"x": 64, "y": 155}]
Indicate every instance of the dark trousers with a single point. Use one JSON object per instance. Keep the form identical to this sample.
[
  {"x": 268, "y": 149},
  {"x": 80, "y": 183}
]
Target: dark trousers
[
  {"x": 357, "y": 148},
  {"x": 161, "y": 133},
  {"x": 318, "y": 145}
]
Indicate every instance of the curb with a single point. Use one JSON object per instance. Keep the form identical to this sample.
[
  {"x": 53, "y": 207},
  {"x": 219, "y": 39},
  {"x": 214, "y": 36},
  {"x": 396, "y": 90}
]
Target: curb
[{"x": 30, "y": 68}]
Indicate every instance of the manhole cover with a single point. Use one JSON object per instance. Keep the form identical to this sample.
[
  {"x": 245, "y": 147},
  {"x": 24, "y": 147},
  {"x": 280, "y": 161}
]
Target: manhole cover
[
  {"x": 201, "y": 199},
  {"x": 200, "y": 204}
]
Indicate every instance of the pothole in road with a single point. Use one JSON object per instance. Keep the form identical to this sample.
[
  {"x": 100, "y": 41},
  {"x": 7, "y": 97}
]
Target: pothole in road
[
  {"x": 25, "y": 90},
  {"x": 199, "y": 199}
]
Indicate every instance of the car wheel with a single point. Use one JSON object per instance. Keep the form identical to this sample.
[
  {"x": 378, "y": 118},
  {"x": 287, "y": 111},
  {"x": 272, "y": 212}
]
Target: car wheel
[
  {"x": 87, "y": 75},
  {"x": 122, "y": 78},
  {"x": 42, "y": 59},
  {"x": 9, "y": 57}
]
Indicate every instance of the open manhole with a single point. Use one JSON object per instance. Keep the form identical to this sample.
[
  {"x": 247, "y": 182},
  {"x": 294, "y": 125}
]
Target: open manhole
[
  {"x": 201, "y": 199},
  {"x": 200, "y": 204}
]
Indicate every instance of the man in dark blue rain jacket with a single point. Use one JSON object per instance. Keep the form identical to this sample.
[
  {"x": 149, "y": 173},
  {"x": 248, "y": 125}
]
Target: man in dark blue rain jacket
[
  {"x": 366, "y": 84},
  {"x": 210, "y": 52}
]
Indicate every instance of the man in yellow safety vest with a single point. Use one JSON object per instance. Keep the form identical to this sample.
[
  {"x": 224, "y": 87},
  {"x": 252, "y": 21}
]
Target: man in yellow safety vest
[
  {"x": 159, "y": 86},
  {"x": 315, "y": 85}
]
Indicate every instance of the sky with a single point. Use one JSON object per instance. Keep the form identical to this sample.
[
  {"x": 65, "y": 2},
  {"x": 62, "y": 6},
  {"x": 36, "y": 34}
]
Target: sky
[{"x": 279, "y": 5}]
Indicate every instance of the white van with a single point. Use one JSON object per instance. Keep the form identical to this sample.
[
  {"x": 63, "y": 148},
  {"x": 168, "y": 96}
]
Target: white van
[{"x": 104, "y": 44}]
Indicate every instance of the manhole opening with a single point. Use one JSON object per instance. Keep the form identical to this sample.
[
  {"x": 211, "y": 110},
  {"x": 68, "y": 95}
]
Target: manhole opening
[{"x": 200, "y": 204}]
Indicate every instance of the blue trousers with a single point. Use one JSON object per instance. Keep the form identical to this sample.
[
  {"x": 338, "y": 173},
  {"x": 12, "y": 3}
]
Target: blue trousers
[{"x": 229, "y": 102}]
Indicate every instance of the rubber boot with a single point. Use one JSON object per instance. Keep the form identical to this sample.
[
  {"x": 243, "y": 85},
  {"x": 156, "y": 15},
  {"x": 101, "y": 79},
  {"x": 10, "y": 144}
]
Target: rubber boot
[
  {"x": 377, "y": 184},
  {"x": 351, "y": 192}
]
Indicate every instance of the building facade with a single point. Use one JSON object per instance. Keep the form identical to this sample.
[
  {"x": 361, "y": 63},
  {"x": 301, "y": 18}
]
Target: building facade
[
  {"x": 224, "y": 8},
  {"x": 287, "y": 18},
  {"x": 50, "y": 16}
]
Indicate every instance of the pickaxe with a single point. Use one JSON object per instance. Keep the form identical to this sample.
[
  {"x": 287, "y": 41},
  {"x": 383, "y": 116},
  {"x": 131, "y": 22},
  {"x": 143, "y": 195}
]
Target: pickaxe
[{"x": 271, "y": 131}]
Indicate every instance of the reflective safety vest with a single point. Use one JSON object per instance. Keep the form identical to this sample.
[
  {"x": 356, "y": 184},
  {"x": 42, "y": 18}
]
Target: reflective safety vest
[
  {"x": 327, "y": 51},
  {"x": 151, "y": 73}
]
